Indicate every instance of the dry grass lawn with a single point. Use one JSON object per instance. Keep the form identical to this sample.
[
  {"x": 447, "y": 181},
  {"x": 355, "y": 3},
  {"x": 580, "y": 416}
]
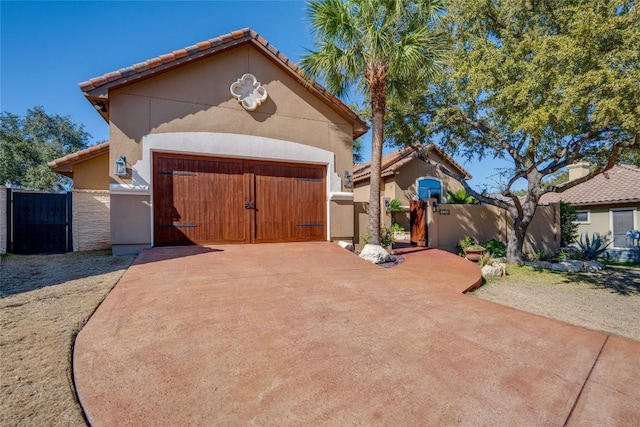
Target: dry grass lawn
[
  {"x": 607, "y": 301},
  {"x": 44, "y": 301}
]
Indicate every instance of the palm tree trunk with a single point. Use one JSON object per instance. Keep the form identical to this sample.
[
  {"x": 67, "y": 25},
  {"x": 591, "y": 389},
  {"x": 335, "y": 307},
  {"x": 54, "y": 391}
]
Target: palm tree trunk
[{"x": 377, "y": 88}]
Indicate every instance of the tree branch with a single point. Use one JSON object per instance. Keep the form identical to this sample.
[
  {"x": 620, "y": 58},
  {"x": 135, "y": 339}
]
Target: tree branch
[
  {"x": 613, "y": 159},
  {"x": 500, "y": 140},
  {"x": 422, "y": 155}
]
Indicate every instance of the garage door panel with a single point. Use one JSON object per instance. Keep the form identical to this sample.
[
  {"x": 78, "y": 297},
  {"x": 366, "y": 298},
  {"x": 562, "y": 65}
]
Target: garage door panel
[
  {"x": 202, "y": 200},
  {"x": 290, "y": 202},
  {"x": 199, "y": 201}
]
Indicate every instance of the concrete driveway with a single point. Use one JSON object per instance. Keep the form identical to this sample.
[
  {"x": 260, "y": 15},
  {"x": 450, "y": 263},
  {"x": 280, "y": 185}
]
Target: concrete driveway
[{"x": 309, "y": 334}]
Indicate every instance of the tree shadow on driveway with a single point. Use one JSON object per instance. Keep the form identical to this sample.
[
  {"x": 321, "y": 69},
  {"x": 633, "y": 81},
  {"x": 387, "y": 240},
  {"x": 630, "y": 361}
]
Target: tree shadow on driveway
[
  {"x": 24, "y": 273},
  {"x": 623, "y": 281}
]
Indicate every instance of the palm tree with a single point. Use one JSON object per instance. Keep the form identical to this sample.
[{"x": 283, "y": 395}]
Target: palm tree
[{"x": 382, "y": 48}]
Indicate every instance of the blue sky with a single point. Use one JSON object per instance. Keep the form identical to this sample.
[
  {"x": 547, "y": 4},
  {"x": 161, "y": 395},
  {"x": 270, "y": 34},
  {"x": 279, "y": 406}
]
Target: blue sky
[{"x": 48, "y": 47}]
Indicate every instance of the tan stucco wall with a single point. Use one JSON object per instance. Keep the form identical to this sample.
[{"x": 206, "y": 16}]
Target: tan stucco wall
[
  {"x": 92, "y": 174},
  {"x": 489, "y": 222},
  {"x": 91, "y": 220},
  {"x": 341, "y": 220},
  {"x": 414, "y": 169},
  {"x": 600, "y": 218},
  {"x": 130, "y": 222},
  {"x": 3, "y": 220},
  {"x": 196, "y": 98}
]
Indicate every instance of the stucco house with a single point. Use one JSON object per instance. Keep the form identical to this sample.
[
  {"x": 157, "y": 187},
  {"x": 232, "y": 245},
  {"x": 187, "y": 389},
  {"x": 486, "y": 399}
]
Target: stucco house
[
  {"x": 224, "y": 141},
  {"x": 607, "y": 204},
  {"x": 404, "y": 177}
]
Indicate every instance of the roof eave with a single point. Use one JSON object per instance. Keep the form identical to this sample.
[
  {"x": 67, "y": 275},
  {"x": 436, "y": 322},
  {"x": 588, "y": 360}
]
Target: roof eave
[
  {"x": 97, "y": 90},
  {"x": 64, "y": 165}
]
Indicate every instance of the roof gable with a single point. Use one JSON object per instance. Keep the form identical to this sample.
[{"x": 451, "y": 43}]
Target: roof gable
[
  {"x": 96, "y": 90},
  {"x": 392, "y": 162},
  {"x": 620, "y": 184},
  {"x": 64, "y": 165}
]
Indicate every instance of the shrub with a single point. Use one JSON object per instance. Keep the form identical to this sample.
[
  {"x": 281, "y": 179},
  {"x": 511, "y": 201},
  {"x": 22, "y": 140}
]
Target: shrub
[
  {"x": 386, "y": 237},
  {"x": 592, "y": 249},
  {"x": 465, "y": 243},
  {"x": 485, "y": 259},
  {"x": 396, "y": 228},
  {"x": 543, "y": 255},
  {"x": 496, "y": 248},
  {"x": 568, "y": 226}
]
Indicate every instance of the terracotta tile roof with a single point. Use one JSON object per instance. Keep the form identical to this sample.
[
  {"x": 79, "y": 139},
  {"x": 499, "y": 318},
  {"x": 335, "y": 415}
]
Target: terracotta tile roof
[
  {"x": 64, "y": 165},
  {"x": 620, "y": 184},
  {"x": 392, "y": 162},
  {"x": 97, "y": 89}
]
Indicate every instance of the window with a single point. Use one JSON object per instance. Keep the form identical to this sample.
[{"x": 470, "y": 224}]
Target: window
[
  {"x": 582, "y": 217},
  {"x": 429, "y": 188},
  {"x": 622, "y": 222}
]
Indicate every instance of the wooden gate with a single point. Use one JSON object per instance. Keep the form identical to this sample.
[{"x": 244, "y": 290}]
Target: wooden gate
[{"x": 38, "y": 223}]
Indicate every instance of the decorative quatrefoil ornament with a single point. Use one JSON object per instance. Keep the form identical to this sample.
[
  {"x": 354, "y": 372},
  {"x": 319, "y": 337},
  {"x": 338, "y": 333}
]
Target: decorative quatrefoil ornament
[{"x": 249, "y": 92}]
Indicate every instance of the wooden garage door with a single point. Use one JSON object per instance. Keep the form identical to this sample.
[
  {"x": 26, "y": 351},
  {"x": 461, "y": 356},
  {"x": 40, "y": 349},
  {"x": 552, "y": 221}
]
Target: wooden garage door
[{"x": 211, "y": 200}]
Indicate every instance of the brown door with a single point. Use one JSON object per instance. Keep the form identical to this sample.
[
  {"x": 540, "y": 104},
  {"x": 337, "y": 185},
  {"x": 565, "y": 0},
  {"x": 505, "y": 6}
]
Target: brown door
[
  {"x": 290, "y": 202},
  {"x": 211, "y": 200}
]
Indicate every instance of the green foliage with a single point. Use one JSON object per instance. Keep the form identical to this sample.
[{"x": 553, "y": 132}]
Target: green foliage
[
  {"x": 485, "y": 259},
  {"x": 460, "y": 197},
  {"x": 29, "y": 142},
  {"x": 395, "y": 206},
  {"x": 465, "y": 243},
  {"x": 496, "y": 248},
  {"x": 386, "y": 237},
  {"x": 540, "y": 84},
  {"x": 592, "y": 249},
  {"x": 568, "y": 226},
  {"x": 396, "y": 228},
  {"x": 357, "y": 150}
]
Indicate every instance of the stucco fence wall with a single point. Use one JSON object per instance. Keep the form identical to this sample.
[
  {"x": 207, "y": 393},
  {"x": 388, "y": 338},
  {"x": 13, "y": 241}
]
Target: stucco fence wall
[
  {"x": 91, "y": 220},
  {"x": 451, "y": 223},
  {"x": 3, "y": 220}
]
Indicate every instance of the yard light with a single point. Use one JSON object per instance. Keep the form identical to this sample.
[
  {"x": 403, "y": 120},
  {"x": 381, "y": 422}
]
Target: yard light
[{"x": 120, "y": 167}]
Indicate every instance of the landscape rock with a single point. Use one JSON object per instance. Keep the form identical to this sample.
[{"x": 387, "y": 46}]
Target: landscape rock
[
  {"x": 346, "y": 245},
  {"x": 495, "y": 269},
  {"x": 375, "y": 254},
  {"x": 570, "y": 266}
]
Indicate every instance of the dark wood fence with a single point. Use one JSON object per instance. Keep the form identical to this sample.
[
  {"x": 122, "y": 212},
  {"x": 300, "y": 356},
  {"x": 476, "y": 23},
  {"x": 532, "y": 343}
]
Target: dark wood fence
[{"x": 38, "y": 223}]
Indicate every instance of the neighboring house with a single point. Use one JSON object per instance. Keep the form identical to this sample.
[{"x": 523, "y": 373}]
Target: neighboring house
[
  {"x": 405, "y": 177},
  {"x": 224, "y": 141},
  {"x": 607, "y": 204}
]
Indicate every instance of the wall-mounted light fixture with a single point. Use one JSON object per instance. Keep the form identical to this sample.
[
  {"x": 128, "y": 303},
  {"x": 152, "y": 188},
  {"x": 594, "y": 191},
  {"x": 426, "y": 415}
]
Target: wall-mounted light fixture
[
  {"x": 347, "y": 179},
  {"x": 100, "y": 107},
  {"x": 120, "y": 166}
]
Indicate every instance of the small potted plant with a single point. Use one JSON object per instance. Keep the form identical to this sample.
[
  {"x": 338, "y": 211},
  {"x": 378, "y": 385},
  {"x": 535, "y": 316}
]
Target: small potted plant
[{"x": 474, "y": 252}]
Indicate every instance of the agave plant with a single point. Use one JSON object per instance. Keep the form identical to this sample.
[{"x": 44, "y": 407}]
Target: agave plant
[{"x": 592, "y": 249}]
